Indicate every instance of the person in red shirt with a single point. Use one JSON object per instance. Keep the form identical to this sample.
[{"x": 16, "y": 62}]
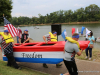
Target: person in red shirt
[{"x": 19, "y": 36}]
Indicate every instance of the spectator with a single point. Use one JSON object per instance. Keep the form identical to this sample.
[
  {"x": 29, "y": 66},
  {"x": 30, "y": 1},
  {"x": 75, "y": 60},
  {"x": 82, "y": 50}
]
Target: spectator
[
  {"x": 92, "y": 40},
  {"x": 25, "y": 37},
  {"x": 19, "y": 36}
]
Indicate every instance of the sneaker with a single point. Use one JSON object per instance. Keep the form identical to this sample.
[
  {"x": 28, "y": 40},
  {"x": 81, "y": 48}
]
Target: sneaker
[
  {"x": 19, "y": 68},
  {"x": 58, "y": 65},
  {"x": 89, "y": 58},
  {"x": 45, "y": 66},
  {"x": 86, "y": 57}
]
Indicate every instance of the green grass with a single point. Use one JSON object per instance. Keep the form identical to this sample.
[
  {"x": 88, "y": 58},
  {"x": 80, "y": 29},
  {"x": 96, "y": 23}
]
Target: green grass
[
  {"x": 95, "y": 55},
  {"x": 5, "y": 70}
]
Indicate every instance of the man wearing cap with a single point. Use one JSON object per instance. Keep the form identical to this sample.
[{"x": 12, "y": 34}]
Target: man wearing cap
[
  {"x": 7, "y": 48},
  {"x": 25, "y": 37},
  {"x": 48, "y": 36},
  {"x": 49, "y": 39},
  {"x": 70, "y": 50}
]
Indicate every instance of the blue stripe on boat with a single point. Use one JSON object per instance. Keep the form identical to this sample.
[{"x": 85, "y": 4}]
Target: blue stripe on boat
[{"x": 37, "y": 60}]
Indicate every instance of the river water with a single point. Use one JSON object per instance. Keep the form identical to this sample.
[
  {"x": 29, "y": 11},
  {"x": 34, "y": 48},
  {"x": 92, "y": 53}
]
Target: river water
[{"x": 37, "y": 34}]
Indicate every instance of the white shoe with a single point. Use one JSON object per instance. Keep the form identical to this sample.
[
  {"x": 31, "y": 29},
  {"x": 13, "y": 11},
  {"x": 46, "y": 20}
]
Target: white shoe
[
  {"x": 86, "y": 57},
  {"x": 89, "y": 58}
]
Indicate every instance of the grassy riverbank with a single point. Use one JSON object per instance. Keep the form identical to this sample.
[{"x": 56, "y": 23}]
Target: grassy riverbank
[
  {"x": 5, "y": 70},
  {"x": 95, "y": 55}
]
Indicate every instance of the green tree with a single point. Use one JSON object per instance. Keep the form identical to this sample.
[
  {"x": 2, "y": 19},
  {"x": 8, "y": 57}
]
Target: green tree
[
  {"x": 92, "y": 10},
  {"x": 14, "y": 21},
  {"x": 80, "y": 14},
  {"x": 5, "y": 8}
]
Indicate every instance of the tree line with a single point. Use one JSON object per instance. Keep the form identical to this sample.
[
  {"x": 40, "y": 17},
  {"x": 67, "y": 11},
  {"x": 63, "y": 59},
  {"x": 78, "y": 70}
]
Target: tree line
[{"x": 87, "y": 14}]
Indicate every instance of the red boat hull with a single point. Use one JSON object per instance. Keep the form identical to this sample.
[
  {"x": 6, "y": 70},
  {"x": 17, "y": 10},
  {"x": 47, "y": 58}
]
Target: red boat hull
[{"x": 40, "y": 52}]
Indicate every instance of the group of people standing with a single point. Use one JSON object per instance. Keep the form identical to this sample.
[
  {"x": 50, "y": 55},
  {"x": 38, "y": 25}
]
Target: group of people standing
[{"x": 70, "y": 48}]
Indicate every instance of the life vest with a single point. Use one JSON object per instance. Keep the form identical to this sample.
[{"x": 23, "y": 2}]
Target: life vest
[
  {"x": 53, "y": 38},
  {"x": 73, "y": 41},
  {"x": 8, "y": 38},
  {"x": 24, "y": 37}
]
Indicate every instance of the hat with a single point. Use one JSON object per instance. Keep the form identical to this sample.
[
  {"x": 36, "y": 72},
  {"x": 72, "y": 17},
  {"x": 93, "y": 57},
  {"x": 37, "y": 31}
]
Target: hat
[
  {"x": 6, "y": 31},
  {"x": 26, "y": 30}
]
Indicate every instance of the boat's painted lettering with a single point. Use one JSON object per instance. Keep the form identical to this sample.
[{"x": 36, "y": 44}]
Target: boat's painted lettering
[{"x": 31, "y": 55}]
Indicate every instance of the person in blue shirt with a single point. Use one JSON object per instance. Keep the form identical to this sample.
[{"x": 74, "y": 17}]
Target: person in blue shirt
[{"x": 92, "y": 40}]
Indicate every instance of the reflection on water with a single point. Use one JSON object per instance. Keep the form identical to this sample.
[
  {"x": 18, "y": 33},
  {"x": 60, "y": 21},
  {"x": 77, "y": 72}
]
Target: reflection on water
[{"x": 37, "y": 34}]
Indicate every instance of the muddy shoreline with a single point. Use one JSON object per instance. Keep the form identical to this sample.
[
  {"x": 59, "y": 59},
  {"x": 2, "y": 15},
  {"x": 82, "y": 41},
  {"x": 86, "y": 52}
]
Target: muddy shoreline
[{"x": 69, "y": 23}]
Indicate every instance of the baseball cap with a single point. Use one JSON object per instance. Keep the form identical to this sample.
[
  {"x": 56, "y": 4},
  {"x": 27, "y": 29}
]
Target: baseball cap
[
  {"x": 6, "y": 31},
  {"x": 26, "y": 30}
]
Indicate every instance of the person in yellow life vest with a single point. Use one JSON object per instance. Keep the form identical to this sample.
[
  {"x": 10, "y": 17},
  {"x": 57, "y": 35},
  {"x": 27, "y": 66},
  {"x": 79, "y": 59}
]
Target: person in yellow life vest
[
  {"x": 51, "y": 37},
  {"x": 7, "y": 48}
]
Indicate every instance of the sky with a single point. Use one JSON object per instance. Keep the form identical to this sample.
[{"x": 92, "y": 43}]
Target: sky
[{"x": 31, "y": 8}]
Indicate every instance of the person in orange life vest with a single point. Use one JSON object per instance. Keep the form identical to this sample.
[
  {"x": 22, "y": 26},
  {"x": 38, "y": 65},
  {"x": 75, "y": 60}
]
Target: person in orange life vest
[
  {"x": 25, "y": 37},
  {"x": 7, "y": 48},
  {"x": 48, "y": 36}
]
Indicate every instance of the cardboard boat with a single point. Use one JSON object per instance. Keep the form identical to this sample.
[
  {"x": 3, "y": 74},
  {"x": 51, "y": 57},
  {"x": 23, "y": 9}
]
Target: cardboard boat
[{"x": 40, "y": 52}]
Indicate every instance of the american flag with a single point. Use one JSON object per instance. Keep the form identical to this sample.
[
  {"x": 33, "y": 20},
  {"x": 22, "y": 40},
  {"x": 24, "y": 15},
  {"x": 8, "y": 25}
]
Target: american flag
[{"x": 12, "y": 30}]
